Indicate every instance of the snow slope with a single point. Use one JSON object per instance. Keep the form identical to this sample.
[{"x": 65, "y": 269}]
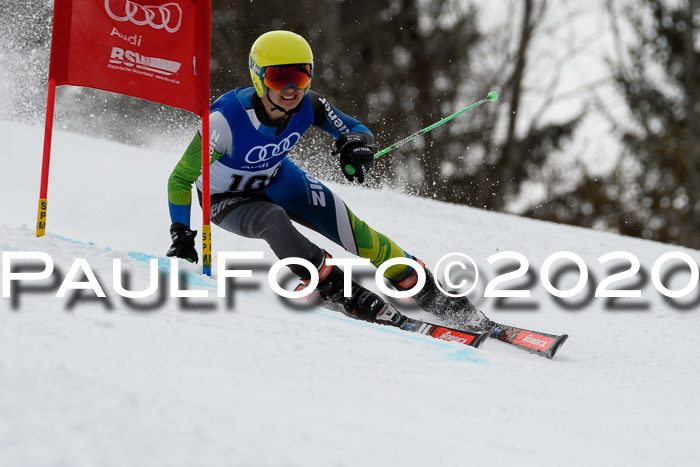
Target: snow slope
[{"x": 247, "y": 380}]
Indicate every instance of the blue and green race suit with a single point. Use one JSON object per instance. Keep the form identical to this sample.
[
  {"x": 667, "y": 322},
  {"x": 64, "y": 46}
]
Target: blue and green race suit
[{"x": 256, "y": 189}]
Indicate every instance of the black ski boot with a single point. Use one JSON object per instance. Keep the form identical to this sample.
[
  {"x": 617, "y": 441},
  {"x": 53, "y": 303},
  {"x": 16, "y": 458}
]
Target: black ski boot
[
  {"x": 365, "y": 305},
  {"x": 361, "y": 304},
  {"x": 454, "y": 311}
]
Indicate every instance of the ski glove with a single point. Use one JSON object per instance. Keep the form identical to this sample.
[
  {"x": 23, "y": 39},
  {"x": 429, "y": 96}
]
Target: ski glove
[
  {"x": 356, "y": 157},
  {"x": 183, "y": 243}
]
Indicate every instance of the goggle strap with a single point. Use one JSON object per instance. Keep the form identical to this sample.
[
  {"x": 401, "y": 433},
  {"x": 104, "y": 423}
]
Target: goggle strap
[{"x": 255, "y": 67}]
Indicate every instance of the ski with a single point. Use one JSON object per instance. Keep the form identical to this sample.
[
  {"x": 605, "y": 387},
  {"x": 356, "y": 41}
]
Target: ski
[
  {"x": 531, "y": 341},
  {"x": 534, "y": 342},
  {"x": 436, "y": 331},
  {"x": 473, "y": 339}
]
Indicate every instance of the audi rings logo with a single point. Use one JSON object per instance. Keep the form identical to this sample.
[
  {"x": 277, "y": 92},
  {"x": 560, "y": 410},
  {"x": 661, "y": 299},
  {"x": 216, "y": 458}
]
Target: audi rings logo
[
  {"x": 260, "y": 154},
  {"x": 168, "y": 16}
]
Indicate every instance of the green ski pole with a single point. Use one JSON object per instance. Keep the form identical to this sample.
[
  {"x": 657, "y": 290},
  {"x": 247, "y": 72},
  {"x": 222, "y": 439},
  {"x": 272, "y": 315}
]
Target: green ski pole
[{"x": 490, "y": 97}]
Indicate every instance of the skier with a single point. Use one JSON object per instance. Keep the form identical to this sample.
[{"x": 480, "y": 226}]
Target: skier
[{"x": 256, "y": 191}]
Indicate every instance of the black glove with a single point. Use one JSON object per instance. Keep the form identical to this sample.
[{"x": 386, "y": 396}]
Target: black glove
[
  {"x": 183, "y": 243},
  {"x": 356, "y": 157}
]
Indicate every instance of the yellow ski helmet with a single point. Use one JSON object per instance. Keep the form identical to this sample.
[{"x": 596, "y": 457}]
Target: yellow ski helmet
[{"x": 277, "y": 48}]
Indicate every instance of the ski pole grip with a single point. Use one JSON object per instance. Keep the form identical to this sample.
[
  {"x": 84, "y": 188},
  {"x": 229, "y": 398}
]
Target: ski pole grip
[{"x": 349, "y": 169}]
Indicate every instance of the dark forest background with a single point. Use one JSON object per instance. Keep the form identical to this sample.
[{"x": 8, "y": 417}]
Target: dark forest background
[{"x": 401, "y": 65}]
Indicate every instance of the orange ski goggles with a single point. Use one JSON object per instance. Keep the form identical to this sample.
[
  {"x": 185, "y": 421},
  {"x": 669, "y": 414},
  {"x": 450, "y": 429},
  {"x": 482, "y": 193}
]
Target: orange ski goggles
[{"x": 280, "y": 78}]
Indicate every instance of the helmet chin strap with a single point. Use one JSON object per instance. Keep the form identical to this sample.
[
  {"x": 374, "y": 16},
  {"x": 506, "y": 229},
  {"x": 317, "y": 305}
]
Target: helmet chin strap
[{"x": 277, "y": 107}]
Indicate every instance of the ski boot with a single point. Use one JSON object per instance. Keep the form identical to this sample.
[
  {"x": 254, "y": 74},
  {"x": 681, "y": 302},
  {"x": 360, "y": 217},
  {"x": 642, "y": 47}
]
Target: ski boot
[
  {"x": 362, "y": 304},
  {"x": 454, "y": 311}
]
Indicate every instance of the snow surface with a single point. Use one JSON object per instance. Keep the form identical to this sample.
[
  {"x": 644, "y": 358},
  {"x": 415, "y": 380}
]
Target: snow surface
[{"x": 247, "y": 380}]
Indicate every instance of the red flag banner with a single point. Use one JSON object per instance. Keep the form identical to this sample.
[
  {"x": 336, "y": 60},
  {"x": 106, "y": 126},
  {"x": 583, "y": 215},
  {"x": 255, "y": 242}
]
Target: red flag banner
[{"x": 152, "y": 49}]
